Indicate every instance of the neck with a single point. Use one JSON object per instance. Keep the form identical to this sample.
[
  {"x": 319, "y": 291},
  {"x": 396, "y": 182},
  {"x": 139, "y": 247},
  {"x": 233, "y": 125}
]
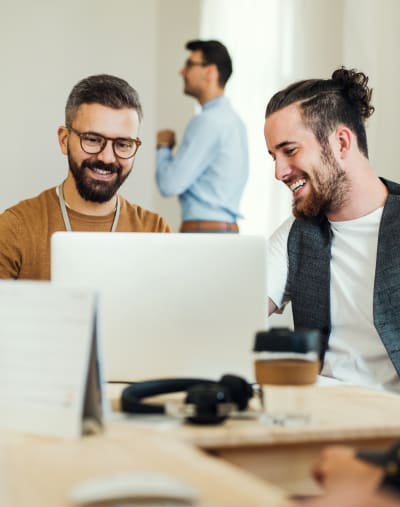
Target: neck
[
  {"x": 77, "y": 203},
  {"x": 209, "y": 95},
  {"x": 366, "y": 194}
]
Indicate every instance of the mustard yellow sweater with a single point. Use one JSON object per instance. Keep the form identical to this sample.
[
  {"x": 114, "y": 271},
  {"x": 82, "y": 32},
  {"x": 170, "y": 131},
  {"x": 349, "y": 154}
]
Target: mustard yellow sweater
[{"x": 26, "y": 228}]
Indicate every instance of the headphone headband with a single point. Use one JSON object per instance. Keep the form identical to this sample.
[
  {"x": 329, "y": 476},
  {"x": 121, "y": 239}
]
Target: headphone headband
[
  {"x": 133, "y": 394},
  {"x": 207, "y": 401}
]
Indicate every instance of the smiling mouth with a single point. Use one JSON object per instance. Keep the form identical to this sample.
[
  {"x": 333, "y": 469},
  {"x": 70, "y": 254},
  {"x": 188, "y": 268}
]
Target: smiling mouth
[
  {"x": 101, "y": 172},
  {"x": 106, "y": 175},
  {"x": 297, "y": 184}
]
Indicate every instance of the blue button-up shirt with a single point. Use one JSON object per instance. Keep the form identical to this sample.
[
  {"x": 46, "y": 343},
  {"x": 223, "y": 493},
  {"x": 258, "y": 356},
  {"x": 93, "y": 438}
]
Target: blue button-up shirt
[{"x": 210, "y": 168}]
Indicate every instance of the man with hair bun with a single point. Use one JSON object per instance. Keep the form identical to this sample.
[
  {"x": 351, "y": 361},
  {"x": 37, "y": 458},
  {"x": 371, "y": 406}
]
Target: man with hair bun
[{"x": 336, "y": 259}]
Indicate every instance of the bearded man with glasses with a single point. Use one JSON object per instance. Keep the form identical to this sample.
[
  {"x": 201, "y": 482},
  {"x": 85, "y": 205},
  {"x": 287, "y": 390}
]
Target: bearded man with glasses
[
  {"x": 100, "y": 139},
  {"x": 209, "y": 170}
]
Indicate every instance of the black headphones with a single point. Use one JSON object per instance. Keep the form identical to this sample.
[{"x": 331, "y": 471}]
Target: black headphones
[{"x": 206, "y": 401}]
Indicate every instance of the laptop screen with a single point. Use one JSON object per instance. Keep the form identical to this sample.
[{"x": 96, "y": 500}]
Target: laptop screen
[{"x": 170, "y": 305}]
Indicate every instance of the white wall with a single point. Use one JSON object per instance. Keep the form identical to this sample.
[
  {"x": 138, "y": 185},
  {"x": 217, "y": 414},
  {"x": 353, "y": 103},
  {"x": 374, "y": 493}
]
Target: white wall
[
  {"x": 371, "y": 41},
  {"x": 47, "y": 46}
]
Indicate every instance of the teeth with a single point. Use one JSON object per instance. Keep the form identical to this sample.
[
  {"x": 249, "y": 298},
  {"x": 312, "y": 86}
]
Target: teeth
[
  {"x": 101, "y": 171},
  {"x": 297, "y": 184}
]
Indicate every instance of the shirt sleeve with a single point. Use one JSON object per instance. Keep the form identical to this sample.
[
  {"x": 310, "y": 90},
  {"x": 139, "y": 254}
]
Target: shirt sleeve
[
  {"x": 10, "y": 252},
  {"x": 175, "y": 174},
  {"x": 277, "y": 263}
]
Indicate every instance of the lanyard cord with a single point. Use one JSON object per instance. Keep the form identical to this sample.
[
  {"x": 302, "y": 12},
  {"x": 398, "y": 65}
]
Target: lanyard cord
[{"x": 64, "y": 211}]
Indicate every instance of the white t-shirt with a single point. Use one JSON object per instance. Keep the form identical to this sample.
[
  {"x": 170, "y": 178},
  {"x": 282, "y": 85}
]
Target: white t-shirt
[{"x": 356, "y": 353}]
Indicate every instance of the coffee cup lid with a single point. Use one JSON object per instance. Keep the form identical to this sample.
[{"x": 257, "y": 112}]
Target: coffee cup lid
[{"x": 282, "y": 339}]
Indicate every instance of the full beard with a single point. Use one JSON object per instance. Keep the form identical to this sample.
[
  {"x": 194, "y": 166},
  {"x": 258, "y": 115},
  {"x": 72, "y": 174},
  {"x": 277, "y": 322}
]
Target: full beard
[
  {"x": 329, "y": 189},
  {"x": 96, "y": 190}
]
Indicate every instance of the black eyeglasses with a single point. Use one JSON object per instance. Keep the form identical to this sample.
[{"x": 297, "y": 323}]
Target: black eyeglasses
[
  {"x": 93, "y": 144},
  {"x": 190, "y": 63}
]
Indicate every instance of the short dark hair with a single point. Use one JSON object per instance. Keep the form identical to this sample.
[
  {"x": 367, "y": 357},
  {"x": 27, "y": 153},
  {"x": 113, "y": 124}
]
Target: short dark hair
[
  {"x": 214, "y": 52},
  {"x": 324, "y": 103},
  {"x": 102, "y": 89}
]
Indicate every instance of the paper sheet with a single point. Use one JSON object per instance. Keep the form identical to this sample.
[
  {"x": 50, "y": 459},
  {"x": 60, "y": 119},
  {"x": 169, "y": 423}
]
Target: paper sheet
[{"x": 46, "y": 336}]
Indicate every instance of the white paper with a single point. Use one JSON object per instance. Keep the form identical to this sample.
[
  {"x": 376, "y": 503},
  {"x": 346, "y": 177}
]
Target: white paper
[{"x": 46, "y": 337}]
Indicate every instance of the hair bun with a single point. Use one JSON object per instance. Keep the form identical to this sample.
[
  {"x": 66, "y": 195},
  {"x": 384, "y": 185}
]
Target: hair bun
[{"x": 355, "y": 85}]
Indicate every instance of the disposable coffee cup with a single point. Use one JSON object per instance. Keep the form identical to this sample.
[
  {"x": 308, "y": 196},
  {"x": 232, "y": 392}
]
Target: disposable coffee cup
[{"x": 286, "y": 366}]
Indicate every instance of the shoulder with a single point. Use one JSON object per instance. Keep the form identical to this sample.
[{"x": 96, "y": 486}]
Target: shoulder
[
  {"x": 219, "y": 120},
  {"x": 315, "y": 232},
  {"x": 393, "y": 187},
  {"x": 221, "y": 109},
  {"x": 135, "y": 218},
  {"x": 29, "y": 207},
  {"x": 281, "y": 234}
]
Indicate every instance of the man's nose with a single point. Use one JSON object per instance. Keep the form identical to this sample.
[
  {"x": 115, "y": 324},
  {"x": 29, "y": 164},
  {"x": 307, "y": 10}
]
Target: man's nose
[
  {"x": 107, "y": 155},
  {"x": 282, "y": 168}
]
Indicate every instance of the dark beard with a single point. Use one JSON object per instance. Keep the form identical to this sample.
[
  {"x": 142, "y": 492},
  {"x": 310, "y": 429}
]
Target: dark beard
[
  {"x": 96, "y": 191},
  {"x": 330, "y": 192}
]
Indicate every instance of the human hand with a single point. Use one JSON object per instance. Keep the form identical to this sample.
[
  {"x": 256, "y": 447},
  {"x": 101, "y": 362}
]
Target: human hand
[
  {"x": 166, "y": 138},
  {"x": 339, "y": 466}
]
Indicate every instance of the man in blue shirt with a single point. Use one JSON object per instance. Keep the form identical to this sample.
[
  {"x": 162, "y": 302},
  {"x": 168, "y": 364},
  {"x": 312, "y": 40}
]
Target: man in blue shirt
[{"x": 210, "y": 167}]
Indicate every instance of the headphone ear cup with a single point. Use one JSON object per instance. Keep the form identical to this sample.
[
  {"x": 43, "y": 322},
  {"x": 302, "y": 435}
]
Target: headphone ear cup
[
  {"x": 207, "y": 398},
  {"x": 240, "y": 390}
]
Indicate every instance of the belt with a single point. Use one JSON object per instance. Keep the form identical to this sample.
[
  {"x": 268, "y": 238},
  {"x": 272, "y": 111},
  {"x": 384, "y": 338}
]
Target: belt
[{"x": 208, "y": 226}]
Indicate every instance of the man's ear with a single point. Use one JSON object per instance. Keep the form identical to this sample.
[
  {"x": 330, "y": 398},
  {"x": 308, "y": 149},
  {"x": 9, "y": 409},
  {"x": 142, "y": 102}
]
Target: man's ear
[
  {"x": 344, "y": 138},
  {"x": 63, "y": 139},
  {"x": 213, "y": 73}
]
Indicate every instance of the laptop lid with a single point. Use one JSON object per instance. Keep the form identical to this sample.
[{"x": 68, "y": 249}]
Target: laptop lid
[{"x": 170, "y": 305}]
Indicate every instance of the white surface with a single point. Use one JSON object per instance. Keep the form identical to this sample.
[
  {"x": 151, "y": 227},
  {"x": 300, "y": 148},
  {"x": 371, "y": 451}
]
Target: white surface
[
  {"x": 45, "y": 341},
  {"x": 170, "y": 304},
  {"x": 133, "y": 486}
]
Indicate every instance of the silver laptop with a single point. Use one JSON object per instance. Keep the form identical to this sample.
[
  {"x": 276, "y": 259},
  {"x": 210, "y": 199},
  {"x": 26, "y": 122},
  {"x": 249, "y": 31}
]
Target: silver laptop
[{"x": 170, "y": 305}]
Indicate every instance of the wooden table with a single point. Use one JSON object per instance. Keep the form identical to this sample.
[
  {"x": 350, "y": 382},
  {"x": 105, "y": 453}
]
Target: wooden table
[
  {"x": 340, "y": 415},
  {"x": 41, "y": 472}
]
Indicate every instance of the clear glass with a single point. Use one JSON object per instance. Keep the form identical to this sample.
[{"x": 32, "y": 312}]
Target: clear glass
[
  {"x": 286, "y": 381},
  {"x": 286, "y": 405}
]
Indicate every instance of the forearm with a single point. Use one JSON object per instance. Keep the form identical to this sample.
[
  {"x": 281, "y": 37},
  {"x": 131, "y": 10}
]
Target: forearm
[
  {"x": 176, "y": 173},
  {"x": 10, "y": 253},
  {"x": 165, "y": 170}
]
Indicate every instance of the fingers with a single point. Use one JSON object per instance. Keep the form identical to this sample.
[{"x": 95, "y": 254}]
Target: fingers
[{"x": 166, "y": 138}]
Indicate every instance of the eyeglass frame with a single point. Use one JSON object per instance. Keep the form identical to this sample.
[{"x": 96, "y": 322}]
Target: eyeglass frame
[
  {"x": 190, "y": 63},
  {"x": 113, "y": 140}
]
